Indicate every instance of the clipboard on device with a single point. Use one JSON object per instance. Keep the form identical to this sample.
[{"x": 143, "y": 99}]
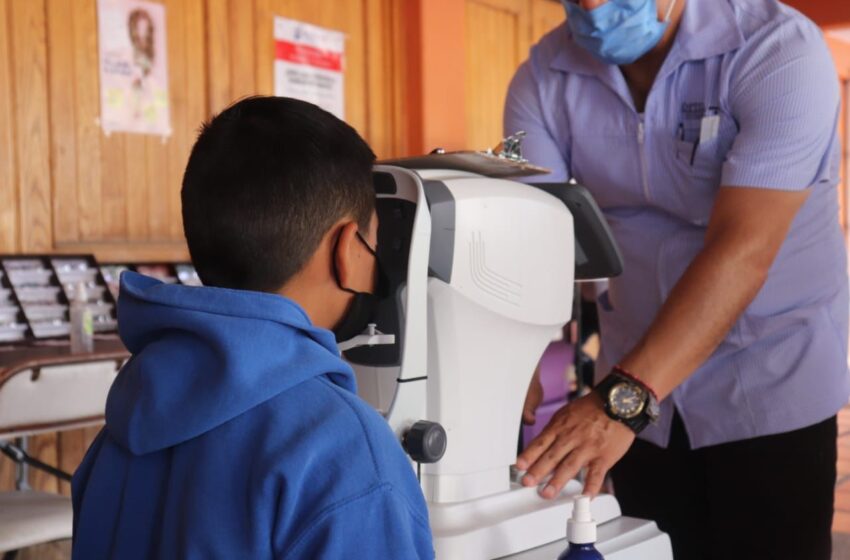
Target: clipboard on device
[{"x": 502, "y": 162}]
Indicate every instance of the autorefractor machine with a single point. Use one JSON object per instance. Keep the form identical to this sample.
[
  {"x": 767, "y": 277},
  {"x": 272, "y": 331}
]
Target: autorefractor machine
[{"x": 481, "y": 271}]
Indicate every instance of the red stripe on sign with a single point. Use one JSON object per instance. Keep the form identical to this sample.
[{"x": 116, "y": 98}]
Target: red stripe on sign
[{"x": 311, "y": 56}]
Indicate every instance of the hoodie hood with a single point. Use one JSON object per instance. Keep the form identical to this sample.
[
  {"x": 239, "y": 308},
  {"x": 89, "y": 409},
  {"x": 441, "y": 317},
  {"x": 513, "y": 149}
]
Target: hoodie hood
[{"x": 203, "y": 356}]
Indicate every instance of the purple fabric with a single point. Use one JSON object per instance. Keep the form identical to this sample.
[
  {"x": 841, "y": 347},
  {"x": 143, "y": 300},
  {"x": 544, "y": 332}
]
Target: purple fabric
[{"x": 553, "y": 369}]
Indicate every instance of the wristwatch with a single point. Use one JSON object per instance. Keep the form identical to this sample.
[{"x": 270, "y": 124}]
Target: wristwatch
[{"x": 628, "y": 401}]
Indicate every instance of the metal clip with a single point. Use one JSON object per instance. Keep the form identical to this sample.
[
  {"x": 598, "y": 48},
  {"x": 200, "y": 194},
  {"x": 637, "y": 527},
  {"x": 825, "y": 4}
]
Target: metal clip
[{"x": 511, "y": 148}]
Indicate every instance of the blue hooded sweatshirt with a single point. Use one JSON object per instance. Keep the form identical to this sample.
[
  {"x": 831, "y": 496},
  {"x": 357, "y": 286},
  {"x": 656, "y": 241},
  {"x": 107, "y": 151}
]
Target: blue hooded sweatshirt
[{"x": 234, "y": 431}]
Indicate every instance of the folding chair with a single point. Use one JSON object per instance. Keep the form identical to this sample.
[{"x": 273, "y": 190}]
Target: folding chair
[{"x": 54, "y": 393}]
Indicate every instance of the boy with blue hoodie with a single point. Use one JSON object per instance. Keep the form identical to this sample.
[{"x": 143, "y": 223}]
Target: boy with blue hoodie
[{"x": 234, "y": 431}]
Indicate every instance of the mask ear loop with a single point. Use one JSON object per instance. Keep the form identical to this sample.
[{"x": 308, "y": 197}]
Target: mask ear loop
[
  {"x": 333, "y": 260},
  {"x": 669, "y": 11},
  {"x": 366, "y": 243},
  {"x": 334, "y": 268},
  {"x": 379, "y": 270}
]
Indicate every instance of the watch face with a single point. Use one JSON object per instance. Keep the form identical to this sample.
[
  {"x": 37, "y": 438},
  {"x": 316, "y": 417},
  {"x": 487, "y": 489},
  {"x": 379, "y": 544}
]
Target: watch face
[{"x": 626, "y": 400}]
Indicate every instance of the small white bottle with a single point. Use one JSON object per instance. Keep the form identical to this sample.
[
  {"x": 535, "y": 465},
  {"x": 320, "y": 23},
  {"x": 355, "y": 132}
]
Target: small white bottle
[
  {"x": 581, "y": 533},
  {"x": 82, "y": 326}
]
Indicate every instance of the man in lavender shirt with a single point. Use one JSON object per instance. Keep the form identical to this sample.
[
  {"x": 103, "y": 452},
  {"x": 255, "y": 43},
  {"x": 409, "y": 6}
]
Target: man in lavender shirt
[{"x": 706, "y": 131}]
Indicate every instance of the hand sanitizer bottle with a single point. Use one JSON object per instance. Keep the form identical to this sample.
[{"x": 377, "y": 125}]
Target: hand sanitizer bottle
[
  {"x": 581, "y": 533},
  {"x": 82, "y": 327}
]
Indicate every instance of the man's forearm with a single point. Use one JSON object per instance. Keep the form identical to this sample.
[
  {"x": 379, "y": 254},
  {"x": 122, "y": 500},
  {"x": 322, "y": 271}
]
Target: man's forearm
[{"x": 715, "y": 289}]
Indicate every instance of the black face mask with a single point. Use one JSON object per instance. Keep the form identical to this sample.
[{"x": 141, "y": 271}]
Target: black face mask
[{"x": 362, "y": 309}]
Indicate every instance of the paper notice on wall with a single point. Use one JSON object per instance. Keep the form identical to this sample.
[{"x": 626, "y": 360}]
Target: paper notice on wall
[
  {"x": 133, "y": 67},
  {"x": 309, "y": 63}
]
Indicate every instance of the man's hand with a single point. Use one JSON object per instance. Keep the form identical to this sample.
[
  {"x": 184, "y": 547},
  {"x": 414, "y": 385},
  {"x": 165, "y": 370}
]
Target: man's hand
[
  {"x": 532, "y": 399},
  {"x": 580, "y": 434}
]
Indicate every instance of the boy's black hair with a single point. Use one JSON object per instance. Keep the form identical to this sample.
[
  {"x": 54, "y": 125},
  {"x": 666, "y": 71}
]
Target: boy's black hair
[{"x": 266, "y": 179}]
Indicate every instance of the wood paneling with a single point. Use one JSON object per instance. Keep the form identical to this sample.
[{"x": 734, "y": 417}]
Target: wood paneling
[
  {"x": 72, "y": 447},
  {"x": 113, "y": 188},
  {"x": 63, "y": 148},
  {"x": 243, "y": 50},
  {"x": 499, "y": 34},
  {"x": 496, "y": 32},
  {"x": 9, "y": 228},
  {"x": 88, "y": 133},
  {"x": 68, "y": 187},
  {"x": 28, "y": 34},
  {"x": 76, "y": 188},
  {"x": 45, "y": 448},
  {"x": 218, "y": 54},
  {"x": 386, "y": 65},
  {"x": 7, "y": 474},
  {"x": 546, "y": 15},
  {"x": 189, "y": 103},
  {"x": 241, "y": 57},
  {"x": 121, "y": 251}
]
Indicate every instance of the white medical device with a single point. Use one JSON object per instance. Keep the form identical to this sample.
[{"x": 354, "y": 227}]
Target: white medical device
[{"x": 482, "y": 273}]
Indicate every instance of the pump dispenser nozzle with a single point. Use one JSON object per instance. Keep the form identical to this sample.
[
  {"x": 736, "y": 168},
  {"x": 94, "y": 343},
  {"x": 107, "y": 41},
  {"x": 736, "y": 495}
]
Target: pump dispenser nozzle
[
  {"x": 581, "y": 528},
  {"x": 581, "y": 532}
]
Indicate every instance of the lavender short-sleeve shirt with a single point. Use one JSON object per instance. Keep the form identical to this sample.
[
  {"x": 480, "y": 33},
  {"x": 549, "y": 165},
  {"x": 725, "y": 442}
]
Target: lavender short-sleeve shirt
[{"x": 748, "y": 97}]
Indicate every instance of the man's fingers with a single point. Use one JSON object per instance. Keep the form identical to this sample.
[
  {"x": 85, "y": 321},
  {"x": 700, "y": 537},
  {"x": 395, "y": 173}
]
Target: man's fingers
[
  {"x": 528, "y": 416},
  {"x": 595, "y": 478},
  {"x": 560, "y": 448},
  {"x": 566, "y": 471},
  {"x": 535, "y": 449},
  {"x": 542, "y": 442},
  {"x": 553, "y": 436},
  {"x": 579, "y": 435}
]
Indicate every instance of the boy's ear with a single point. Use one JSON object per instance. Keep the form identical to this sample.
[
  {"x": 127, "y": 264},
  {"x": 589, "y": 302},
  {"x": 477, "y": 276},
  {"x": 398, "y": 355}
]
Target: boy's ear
[{"x": 346, "y": 255}]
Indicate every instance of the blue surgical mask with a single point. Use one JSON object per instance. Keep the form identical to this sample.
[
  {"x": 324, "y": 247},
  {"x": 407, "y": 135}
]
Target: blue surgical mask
[{"x": 618, "y": 31}]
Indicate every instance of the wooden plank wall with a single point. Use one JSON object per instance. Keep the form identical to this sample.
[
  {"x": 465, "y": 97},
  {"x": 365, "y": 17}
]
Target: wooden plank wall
[
  {"x": 65, "y": 186},
  {"x": 498, "y": 36}
]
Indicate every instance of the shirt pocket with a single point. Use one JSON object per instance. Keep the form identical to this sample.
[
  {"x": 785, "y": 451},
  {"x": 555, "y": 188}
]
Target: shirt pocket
[
  {"x": 701, "y": 160},
  {"x": 699, "y": 163},
  {"x": 695, "y": 177},
  {"x": 697, "y": 169}
]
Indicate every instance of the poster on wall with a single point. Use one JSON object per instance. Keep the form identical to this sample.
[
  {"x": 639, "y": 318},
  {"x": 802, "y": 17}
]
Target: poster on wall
[
  {"x": 308, "y": 64},
  {"x": 133, "y": 67}
]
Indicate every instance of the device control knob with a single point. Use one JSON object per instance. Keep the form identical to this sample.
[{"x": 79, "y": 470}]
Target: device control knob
[{"x": 425, "y": 442}]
